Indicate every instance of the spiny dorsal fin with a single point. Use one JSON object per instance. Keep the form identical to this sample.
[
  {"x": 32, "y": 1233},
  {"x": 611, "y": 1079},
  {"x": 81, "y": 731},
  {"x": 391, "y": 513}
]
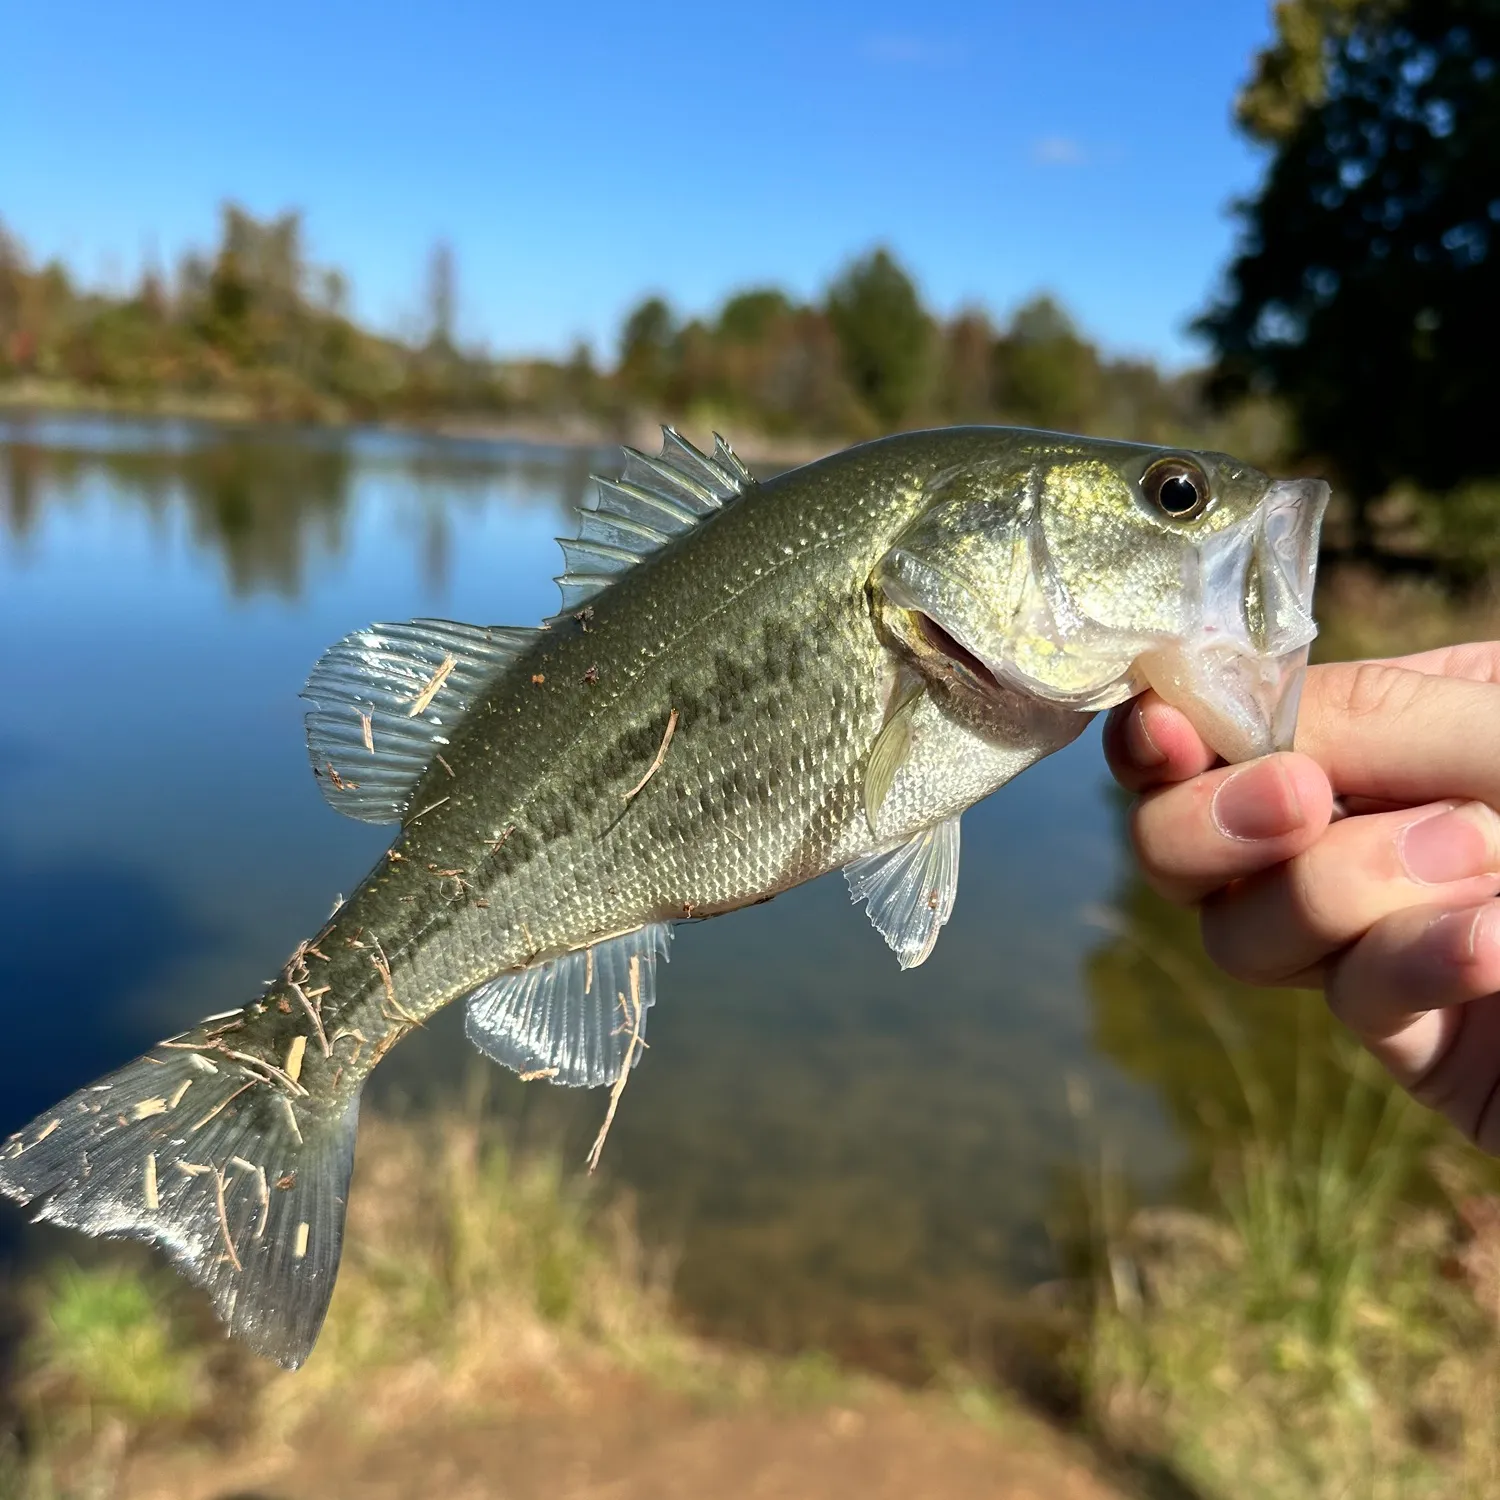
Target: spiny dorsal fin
[
  {"x": 653, "y": 501},
  {"x": 574, "y": 1019},
  {"x": 385, "y": 701}
]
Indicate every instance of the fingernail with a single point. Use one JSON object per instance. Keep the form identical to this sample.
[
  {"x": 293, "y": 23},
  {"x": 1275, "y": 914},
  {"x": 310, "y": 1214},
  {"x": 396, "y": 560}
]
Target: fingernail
[
  {"x": 1259, "y": 802},
  {"x": 1453, "y": 845},
  {"x": 1455, "y": 937},
  {"x": 1143, "y": 751}
]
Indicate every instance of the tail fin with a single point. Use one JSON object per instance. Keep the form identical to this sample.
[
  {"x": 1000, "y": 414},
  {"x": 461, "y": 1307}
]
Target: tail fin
[{"x": 240, "y": 1182}]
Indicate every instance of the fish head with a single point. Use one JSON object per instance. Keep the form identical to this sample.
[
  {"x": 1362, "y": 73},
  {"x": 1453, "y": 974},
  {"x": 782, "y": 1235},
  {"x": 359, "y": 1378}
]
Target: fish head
[{"x": 1079, "y": 572}]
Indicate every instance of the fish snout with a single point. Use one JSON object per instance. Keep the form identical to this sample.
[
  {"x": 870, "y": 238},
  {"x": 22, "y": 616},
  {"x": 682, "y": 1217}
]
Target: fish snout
[{"x": 1240, "y": 682}]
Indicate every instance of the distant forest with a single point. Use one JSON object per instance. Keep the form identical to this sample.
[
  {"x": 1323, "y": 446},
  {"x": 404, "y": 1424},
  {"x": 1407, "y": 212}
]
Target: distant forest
[{"x": 253, "y": 328}]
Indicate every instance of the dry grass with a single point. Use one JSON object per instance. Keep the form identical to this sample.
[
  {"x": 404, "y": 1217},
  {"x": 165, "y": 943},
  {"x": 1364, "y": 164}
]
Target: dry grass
[
  {"x": 472, "y": 1278},
  {"x": 1365, "y": 614},
  {"x": 1317, "y": 1332}
]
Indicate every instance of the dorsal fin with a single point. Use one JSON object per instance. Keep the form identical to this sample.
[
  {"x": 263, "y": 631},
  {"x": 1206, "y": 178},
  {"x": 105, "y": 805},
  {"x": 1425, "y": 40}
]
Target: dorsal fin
[
  {"x": 652, "y": 501},
  {"x": 385, "y": 701}
]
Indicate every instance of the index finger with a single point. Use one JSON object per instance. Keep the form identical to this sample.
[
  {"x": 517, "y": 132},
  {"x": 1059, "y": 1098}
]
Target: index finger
[
  {"x": 1476, "y": 661},
  {"x": 1401, "y": 734}
]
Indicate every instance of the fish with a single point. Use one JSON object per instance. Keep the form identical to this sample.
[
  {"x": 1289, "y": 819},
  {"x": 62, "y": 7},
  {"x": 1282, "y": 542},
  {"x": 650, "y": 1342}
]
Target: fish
[{"x": 749, "y": 683}]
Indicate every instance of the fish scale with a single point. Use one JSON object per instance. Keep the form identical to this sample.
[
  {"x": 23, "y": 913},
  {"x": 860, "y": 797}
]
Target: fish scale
[{"x": 751, "y": 684}]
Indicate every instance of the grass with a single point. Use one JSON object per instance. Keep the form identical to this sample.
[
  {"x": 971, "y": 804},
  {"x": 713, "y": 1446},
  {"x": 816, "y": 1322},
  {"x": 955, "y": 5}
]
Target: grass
[
  {"x": 1320, "y": 1330},
  {"x": 472, "y": 1276}
]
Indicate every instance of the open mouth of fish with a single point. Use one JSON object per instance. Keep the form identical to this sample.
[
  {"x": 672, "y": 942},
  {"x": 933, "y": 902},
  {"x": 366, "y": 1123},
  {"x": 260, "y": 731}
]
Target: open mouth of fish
[
  {"x": 1235, "y": 668},
  {"x": 957, "y": 654}
]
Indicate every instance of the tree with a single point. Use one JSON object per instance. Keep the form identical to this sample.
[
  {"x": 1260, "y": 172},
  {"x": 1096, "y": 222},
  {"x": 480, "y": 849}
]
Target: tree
[
  {"x": 1365, "y": 292},
  {"x": 748, "y": 317},
  {"x": 12, "y": 292},
  {"x": 884, "y": 334},
  {"x": 646, "y": 349},
  {"x": 966, "y": 391},
  {"x": 442, "y": 297},
  {"x": 1046, "y": 373},
  {"x": 1291, "y": 75}
]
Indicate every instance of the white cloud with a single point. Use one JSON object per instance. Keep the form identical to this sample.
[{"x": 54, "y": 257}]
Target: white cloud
[
  {"x": 1058, "y": 151},
  {"x": 902, "y": 50}
]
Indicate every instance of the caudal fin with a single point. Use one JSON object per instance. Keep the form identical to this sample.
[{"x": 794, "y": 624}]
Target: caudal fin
[{"x": 237, "y": 1179}]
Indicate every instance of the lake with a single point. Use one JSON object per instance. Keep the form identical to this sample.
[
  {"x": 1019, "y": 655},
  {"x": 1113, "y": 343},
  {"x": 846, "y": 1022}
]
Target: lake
[{"x": 836, "y": 1153}]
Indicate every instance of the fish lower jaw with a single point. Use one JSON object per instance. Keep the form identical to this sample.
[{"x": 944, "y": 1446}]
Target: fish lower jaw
[{"x": 1242, "y": 703}]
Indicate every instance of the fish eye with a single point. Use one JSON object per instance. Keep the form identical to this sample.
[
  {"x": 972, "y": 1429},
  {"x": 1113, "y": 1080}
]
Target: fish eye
[{"x": 1177, "y": 487}]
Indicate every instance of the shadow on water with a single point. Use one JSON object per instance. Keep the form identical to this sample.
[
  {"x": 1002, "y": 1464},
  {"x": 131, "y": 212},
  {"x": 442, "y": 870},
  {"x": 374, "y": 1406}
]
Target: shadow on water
[
  {"x": 81, "y": 938},
  {"x": 78, "y": 938}
]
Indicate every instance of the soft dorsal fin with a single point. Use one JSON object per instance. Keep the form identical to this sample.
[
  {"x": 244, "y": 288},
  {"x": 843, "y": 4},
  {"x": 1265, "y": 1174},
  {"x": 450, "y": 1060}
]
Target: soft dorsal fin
[
  {"x": 574, "y": 1019},
  {"x": 908, "y": 892},
  {"x": 653, "y": 500},
  {"x": 385, "y": 701}
]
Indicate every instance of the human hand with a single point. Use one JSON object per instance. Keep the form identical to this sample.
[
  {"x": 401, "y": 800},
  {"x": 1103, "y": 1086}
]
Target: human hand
[{"x": 1387, "y": 903}]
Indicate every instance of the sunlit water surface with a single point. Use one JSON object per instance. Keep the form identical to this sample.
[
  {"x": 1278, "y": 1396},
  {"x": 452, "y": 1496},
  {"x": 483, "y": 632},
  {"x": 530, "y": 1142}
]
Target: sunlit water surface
[{"x": 836, "y": 1152}]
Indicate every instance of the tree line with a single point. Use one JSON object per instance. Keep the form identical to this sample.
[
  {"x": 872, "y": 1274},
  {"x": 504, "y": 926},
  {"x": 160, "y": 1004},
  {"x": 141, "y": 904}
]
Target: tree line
[
  {"x": 255, "y": 322},
  {"x": 1353, "y": 334}
]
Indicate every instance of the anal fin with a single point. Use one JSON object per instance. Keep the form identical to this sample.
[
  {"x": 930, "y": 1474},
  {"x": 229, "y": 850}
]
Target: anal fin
[
  {"x": 908, "y": 892},
  {"x": 573, "y": 1019}
]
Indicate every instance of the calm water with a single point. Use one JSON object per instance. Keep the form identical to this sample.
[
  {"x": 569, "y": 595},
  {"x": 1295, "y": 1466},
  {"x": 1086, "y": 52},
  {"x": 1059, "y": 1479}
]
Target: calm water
[{"x": 838, "y": 1152}]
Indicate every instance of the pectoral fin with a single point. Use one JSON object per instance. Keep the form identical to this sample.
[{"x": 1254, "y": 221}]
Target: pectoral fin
[
  {"x": 575, "y": 1019},
  {"x": 908, "y": 892},
  {"x": 893, "y": 744}
]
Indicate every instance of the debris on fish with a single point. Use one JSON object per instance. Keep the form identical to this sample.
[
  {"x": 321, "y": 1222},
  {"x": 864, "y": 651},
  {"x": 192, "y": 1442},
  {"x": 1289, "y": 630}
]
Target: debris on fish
[{"x": 749, "y": 684}]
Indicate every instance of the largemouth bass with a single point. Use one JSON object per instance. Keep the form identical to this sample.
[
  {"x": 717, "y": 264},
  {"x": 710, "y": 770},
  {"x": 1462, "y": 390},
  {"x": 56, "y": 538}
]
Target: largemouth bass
[{"x": 749, "y": 684}]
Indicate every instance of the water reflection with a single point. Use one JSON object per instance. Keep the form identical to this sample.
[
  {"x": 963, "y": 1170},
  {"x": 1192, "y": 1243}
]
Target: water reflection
[
  {"x": 269, "y": 501},
  {"x": 841, "y": 1154}
]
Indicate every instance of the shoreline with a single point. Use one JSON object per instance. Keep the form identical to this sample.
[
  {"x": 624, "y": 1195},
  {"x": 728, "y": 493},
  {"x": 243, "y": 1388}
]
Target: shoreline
[{"x": 36, "y": 398}]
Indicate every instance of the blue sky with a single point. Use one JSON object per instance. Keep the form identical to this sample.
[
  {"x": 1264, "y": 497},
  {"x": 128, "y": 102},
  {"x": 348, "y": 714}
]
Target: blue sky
[{"x": 580, "y": 155}]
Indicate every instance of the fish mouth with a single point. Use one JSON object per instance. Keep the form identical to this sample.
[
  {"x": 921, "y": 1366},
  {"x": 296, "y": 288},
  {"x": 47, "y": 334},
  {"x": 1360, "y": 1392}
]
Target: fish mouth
[
  {"x": 1233, "y": 662},
  {"x": 1239, "y": 680},
  {"x": 957, "y": 654}
]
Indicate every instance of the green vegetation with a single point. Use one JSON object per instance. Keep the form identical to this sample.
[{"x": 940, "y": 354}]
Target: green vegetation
[
  {"x": 1366, "y": 292},
  {"x": 253, "y": 329},
  {"x": 1314, "y": 1331},
  {"x": 1353, "y": 335},
  {"x": 1316, "y": 1311},
  {"x": 471, "y": 1274}
]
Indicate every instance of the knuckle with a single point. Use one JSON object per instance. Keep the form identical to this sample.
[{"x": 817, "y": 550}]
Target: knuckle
[
  {"x": 1374, "y": 689},
  {"x": 1230, "y": 942},
  {"x": 1313, "y": 905}
]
